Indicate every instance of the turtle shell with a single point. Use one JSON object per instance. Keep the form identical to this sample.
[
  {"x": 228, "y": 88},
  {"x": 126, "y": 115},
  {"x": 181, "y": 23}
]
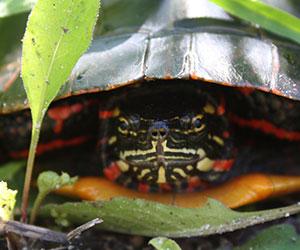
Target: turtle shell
[{"x": 172, "y": 39}]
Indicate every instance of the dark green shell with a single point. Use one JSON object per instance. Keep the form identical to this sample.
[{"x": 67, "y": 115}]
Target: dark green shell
[{"x": 172, "y": 39}]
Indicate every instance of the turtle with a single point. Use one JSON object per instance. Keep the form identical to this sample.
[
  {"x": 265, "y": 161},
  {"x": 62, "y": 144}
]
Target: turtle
[{"x": 185, "y": 103}]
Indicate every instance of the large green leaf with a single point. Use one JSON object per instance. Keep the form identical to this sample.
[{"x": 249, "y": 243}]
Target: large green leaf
[
  {"x": 57, "y": 34},
  {"x": 268, "y": 17},
  {"x": 153, "y": 219}
]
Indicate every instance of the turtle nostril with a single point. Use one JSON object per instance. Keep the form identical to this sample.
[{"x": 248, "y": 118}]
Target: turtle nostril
[
  {"x": 162, "y": 132},
  {"x": 154, "y": 133}
]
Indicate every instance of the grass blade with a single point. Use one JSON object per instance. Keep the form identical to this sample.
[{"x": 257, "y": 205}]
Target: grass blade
[{"x": 270, "y": 18}]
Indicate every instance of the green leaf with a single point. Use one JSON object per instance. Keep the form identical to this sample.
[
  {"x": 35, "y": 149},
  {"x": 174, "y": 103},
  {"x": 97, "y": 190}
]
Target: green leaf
[
  {"x": 278, "y": 237},
  {"x": 9, "y": 170},
  {"x": 57, "y": 34},
  {"x": 268, "y": 17},
  {"x": 162, "y": 243},
  {"x": 11, "y": 7},
  {"x": 47, "y": 182},
  {"x": 153, "y": 219}
]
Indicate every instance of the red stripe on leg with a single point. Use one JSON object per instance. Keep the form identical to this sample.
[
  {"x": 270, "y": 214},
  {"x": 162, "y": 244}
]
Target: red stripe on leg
[
  {"x": 194, "y": 183},
  {"x": 226, "y": 134},
  {"x": 165, "y": 187},
  {"x": 266, "y": 127},
  {"x": 223, "y": 165},
  {"x": 52, "y": 145},
  {"x": 221, "y": 107},
  {"x": 106, "y": 114},
  {"x": 112, "y": 172},
  {"x": 143, "y": 187},
  {"x": 62, "y": 113}
]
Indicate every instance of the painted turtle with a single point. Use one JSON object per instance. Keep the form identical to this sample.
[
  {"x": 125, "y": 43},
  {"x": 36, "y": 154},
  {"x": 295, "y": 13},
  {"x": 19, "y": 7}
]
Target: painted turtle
[{"x": 210, "y": 99}]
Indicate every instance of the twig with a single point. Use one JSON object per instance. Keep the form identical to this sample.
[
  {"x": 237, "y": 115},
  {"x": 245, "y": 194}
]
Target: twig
[
  {"x": 77, "y": 231},
  {"x": 32, "y": 232},
  {"x": 35, "y": 233}
]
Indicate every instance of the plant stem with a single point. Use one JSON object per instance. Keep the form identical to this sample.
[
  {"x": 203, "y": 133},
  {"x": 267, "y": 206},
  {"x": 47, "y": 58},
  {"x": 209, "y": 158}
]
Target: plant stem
[
  {"x": 30, "y": 163},
  {"x": 37, "y": 203}
]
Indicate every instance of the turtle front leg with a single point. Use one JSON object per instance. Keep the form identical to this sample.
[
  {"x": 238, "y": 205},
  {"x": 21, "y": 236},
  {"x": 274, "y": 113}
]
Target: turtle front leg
[{"x": 235, "y": 193}]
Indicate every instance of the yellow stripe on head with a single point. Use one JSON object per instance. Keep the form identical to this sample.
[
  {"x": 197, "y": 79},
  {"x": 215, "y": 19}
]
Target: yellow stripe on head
[
  {"x": 205, "y": 165},
  {"x": 208, "y": 108},
  {"x": 161, "y": 175},
  {"x": 218, "y": 140},
  {"x": 180, "y": 172},
  {"x": 123, "y": 166}
]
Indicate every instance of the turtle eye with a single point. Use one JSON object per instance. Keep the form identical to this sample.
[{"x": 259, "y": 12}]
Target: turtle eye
[
  {"x": 123, "y": 126},
  {"x": 197, "y": 123}
]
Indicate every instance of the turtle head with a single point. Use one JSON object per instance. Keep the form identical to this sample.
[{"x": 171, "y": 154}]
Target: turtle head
[{"x": 165, "y": 139}]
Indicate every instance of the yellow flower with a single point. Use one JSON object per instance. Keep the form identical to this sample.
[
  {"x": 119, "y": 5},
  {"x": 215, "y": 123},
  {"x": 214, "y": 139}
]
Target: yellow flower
[{"x": 7, "y": 201}]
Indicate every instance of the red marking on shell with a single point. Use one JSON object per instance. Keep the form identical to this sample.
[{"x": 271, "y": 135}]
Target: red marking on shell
[
  {"x": 52, "y": 145},
  {"x": 267, "y": 128},
  {"x": 277, "y": 92},
  {"x": 223, "y": 165},
  {"x": 246, "y": 91},
  {"x": 144, "y": 188},
  {"x": 221, "y": 107},
  {"x": 168, "y": 77},
  {"x": 61, "y": 113},
  {"x": 112, "y": 172},
  {"x": 194, "y": 76},
  {"x": 11, "y": 73},
  {"x": 106, "y": 114}
]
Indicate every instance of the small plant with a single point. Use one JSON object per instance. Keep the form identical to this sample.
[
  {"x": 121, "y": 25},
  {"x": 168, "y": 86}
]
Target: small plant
[{"x": 58, "y": 32}]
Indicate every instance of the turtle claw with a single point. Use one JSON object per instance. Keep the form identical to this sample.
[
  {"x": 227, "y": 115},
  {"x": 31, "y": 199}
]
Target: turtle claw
[{"x": 235, "y": 193}]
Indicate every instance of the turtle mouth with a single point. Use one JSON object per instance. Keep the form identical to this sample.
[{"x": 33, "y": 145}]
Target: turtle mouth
[
  {"x": 169, "y": 168},
  {"x": 168, "y": 160},
  {"x": 162, "y": 164},
  {"x": 161, "y": 155}
]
